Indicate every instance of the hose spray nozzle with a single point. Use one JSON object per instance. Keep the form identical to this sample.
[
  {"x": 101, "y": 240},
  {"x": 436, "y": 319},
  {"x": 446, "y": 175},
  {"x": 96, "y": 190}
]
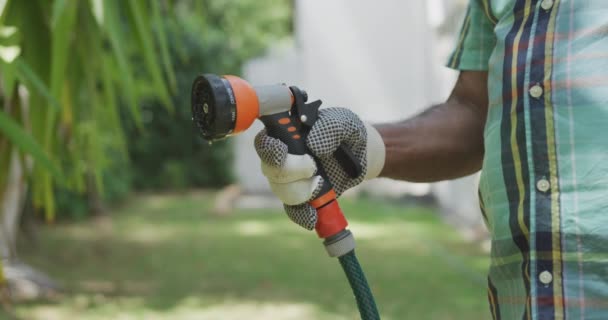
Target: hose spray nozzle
[
  {"x": 223, "y": 106},
  {"x": 227, "y": 105}
]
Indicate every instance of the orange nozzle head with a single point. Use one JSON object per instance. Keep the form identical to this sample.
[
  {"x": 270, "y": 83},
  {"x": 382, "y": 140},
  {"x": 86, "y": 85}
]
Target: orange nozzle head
[{"x": 247, "y": 105}]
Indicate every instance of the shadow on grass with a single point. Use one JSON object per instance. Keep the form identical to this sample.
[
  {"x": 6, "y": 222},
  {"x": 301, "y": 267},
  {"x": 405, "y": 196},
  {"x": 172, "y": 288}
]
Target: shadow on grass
[{"x": 165, "y": 256}]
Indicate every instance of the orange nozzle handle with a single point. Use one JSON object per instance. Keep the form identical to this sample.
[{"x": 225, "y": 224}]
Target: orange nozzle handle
[{"x": 330, "y": 218}]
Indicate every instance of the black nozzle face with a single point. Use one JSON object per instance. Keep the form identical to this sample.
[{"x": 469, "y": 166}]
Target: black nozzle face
[{"x": 213, "y": 106}]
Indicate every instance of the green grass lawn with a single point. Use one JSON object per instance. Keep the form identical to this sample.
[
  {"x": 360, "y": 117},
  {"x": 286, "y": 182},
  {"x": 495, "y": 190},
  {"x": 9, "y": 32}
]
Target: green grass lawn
[{"x": 168, "y": 257}]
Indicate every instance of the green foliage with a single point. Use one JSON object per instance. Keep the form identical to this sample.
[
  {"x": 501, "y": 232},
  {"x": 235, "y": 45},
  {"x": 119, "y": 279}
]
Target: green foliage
[
  {"x": 233, "y": 31},
  {"x": 74, "y": 59},
  {"x": 24, "y": 141},
  {"x": 70, "y": 204},
  {"x": 82, "y": 61},
  {"x": 117, "y": 184},
  {"x": 168, "y": 153}
]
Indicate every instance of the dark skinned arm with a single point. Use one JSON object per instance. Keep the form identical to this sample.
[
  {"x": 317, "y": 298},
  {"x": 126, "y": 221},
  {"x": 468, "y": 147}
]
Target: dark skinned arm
[{"x": 445, "y": 141}]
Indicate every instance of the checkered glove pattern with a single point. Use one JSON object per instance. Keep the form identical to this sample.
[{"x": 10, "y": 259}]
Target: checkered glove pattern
[{"x": 294, "y": 179}]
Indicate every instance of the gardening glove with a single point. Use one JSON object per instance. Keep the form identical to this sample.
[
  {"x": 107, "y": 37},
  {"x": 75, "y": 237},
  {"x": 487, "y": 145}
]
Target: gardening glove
[{"x": 294, "y": 179}]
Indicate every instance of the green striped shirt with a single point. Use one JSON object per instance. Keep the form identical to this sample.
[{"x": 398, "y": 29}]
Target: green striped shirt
[{"x": 544, "y": 183}]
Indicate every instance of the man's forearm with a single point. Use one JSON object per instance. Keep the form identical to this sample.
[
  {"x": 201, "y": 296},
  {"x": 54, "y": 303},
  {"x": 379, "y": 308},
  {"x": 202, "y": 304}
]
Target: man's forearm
[{"x": 444, "y": 142}]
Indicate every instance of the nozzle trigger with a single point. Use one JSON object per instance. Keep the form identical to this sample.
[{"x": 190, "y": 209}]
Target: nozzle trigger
[{"x": 306, "y": 112}]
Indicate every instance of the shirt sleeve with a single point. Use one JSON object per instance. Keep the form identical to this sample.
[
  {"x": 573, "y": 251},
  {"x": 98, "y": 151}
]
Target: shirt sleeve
[{"x": 476, "y": 40}]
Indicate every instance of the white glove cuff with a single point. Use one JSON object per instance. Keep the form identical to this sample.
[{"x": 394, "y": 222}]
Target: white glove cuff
[{"x": 376, "y": 152}]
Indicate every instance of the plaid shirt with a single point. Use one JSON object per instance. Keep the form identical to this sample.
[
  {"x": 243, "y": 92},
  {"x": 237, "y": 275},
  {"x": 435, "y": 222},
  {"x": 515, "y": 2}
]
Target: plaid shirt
[{"x": 544, "y": 183}]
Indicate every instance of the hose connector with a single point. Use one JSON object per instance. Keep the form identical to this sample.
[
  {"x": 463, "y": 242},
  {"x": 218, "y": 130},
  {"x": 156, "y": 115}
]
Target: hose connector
[{"x": 340, "y": 244}]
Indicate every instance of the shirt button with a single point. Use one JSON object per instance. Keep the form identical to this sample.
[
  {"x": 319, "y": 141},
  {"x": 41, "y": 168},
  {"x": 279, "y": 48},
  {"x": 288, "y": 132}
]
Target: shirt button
[
  {"x": 536, "y": 91},
  {"x": 543, "y": 185},
  {"x": 545, "y": 277},
  {"x": 546, "y": 4}
]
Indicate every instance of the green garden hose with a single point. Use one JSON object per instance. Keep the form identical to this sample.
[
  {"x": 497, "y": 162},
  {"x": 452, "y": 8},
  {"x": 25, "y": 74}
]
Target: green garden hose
[
  {"x": 342, "y": 246},
  {"x": 363, "y": 294}
]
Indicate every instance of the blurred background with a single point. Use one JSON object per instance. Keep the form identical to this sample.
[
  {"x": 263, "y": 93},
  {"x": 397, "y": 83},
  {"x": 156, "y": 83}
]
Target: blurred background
[{"x": 112, "y": 206}]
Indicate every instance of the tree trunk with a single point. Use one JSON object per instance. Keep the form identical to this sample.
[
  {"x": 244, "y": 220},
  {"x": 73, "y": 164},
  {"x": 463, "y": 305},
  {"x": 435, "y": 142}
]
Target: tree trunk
[
  {"x": 94, "y": 197},
  {"x": 24, "y": 282},
  {"x": 12, "y": 205}
]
